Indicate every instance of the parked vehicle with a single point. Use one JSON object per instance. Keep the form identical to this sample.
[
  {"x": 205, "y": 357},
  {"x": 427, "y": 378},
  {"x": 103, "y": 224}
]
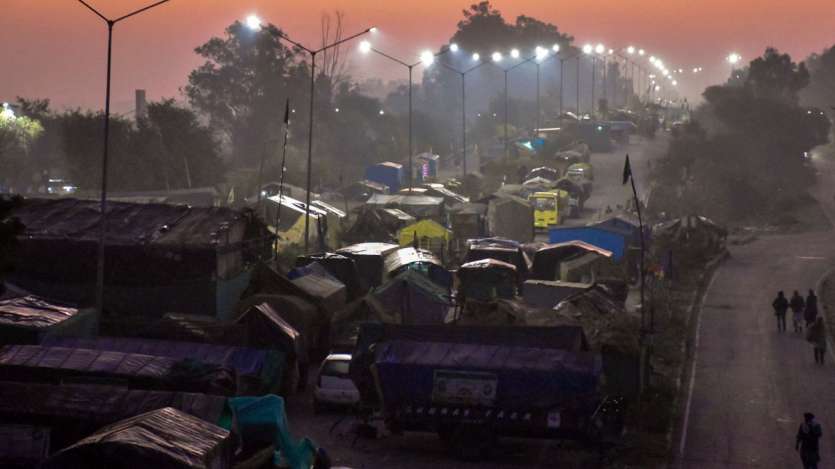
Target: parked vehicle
[
  {"x": 334, "y": 387},
  {"x": 549, "y": 208},
  {"x": 472, "y": 385}
]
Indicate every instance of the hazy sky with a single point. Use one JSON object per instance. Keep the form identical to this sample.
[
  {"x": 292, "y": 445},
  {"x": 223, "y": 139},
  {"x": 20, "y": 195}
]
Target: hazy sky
[{"x": 56, "y": 48}]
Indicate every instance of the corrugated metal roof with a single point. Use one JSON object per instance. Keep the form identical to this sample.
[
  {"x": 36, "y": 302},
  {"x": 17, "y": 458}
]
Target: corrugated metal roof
[{"x": 32, "y": 312}]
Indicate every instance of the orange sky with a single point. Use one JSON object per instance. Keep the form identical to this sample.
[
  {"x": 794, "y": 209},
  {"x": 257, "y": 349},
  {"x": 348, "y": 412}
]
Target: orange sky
[{"x": 56, "y": 48}]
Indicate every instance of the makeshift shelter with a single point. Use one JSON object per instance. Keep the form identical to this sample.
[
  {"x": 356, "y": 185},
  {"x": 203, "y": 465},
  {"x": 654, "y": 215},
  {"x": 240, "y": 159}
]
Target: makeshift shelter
[
  {"x": 360, "y": 191},
  {"x": 288, "y": 225},
  {"x": 35, "y": 363},
  {"x": 546, "y": 261},
  {"x": 160, "y": 257},
  {"x": 547, "y": 294},
  {"x": 370, "y": 260},
  {"x": 502, "y": 249},
  {"x": 467, "y": 221},
  {"x": 418, "y": 206},
  {"x": 373, "y": 225},
  {"x": 426, "y": 165},
  {"x": 426, "y": 234},
  {"x": 695, "y": 239},
  {"x": 394, "y": 218},
  {"x": 340, "y": 267},
  {"x": 30, "y": 320},
  {"x": 75, "y": 411},
  {"x": 387, "y": 173},
  {"x": 23, "y": 446},
  {"x": 450, "y": 198},
  {"x": 257, "y": 371},
  {"x": 487, "y": 279},
  {"x": 624, "y": 225},
  {"x": 329, "y": 293},
  {"x": 415, "y": 298},
  {"x": 346, "y": 322},
  {"x": 604, "y": 239},
  {"x": 510, "y": 217},
  {"x": 421, "y": 261},
  {"x": 544, "y": 172},
  {"x": 163, "y": 439}
]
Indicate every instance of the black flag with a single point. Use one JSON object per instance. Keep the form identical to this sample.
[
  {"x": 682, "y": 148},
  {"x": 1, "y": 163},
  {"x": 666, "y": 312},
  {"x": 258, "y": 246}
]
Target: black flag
[
  {"x": 627, "y": 170},
  {"x": 287, "y": 111}
]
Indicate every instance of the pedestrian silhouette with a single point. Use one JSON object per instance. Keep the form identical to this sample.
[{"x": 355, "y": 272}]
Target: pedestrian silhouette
[
  {"x": 797, "y": 304},
  {"x": 806, "y": 442},
  {"x": 816, "y": 334},
  {"x": 811, "y": 311},
  {"x": 780, "y": 305}
]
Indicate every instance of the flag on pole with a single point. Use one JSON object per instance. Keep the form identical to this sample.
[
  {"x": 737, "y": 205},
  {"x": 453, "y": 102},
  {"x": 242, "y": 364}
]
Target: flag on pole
[
  {"x": 627, "y": 170},
  {"x": 287, "y": 111}
]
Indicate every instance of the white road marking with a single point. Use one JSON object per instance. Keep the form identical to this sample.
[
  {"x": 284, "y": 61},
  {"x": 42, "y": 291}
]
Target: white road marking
[
  {"x": 693, "y": 368},
  {"x": 811, "y": 258}
]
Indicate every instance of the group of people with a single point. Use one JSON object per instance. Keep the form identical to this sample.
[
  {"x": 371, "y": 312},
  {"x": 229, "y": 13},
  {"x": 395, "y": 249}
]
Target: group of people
[{"x": 803, "y": 311}]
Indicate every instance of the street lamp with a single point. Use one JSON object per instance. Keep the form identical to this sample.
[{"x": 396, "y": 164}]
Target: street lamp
[
  {"x": 463, "y": 74},
  {"x": 733, "y": 58},
  {"x": 105, "y": 153},
  {"x": 426, "y": 59},
  {"x": 254, "y": 23}
]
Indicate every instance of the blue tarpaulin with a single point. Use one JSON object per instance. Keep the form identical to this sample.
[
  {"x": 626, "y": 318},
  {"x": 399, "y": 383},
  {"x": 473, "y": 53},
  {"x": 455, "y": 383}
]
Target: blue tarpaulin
[{"x": 602, "y": 238}]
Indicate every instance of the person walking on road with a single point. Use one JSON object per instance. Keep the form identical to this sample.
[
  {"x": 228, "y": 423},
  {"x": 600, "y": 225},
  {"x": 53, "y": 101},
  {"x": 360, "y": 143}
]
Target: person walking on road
[
  {"x": 780, "y": 305},
  {"x": 797, "y": 304},
  {"x": 811, "y": 311},
  {"x": 806, "y": 442},
  {"x": 816, "y": 334}
]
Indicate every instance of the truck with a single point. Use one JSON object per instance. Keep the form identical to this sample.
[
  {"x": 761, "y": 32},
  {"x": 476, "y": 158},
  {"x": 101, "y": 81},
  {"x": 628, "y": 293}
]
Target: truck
[
  {"x": 549, "y": 208},
  {"x": 474, "y": 384}
]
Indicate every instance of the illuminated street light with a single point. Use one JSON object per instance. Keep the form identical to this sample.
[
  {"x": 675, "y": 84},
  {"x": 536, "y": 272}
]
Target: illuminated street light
[
  {"x": 630, "y": 50},
  {"x": 427, "y": 57},
  {"x": 588, "y": 49},
  {"x": 497, "y": 56},
  {"x": 555, "y": 48},
  {"x": 675, "y": 83},
  {"x": 540, "y": 53},
  {"x": 453, "y": 47},
  {"x": 253, "y": 22},
  {"x": 641, "y": 52},
  {"x": 611, "y": 51},
  {"x": 733, "y": 58},
  {"x": 514, "y": 53},
  {"x": 600, "y": 48},
  {"x": 476, "y": 57},
  {"x": 372, "y": 29},
  {"x": 365, "y": 47},
  {"x": 336, "y": 110},
  {"x": 382, "y": 112},
  {"x": 652, "y": 59},
  {"x": 7, "y": 112}
]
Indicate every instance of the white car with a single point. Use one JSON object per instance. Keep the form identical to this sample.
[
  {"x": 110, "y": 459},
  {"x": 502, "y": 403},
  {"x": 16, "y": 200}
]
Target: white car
[{"x": 333, "y": 385}]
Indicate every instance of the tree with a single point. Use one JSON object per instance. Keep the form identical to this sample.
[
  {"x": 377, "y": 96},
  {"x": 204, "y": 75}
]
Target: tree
[
  {"x": 189, "y": 149},
  {"x": 242, "y": 86},
  {"x": 17, "y": 135},
  {"x": 821, "y": 90},
  {"x": 10, "y": 228},
  {"x": 775, "y": 76}
]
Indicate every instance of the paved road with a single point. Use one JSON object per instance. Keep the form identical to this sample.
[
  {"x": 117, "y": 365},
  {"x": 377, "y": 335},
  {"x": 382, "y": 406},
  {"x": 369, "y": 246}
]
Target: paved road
[{"x": 752, "y": 384}]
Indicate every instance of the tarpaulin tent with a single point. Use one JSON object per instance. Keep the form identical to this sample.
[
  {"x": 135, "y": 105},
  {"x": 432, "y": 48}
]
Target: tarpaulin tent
[
  {"x": 75, "y": 411},
  {"x": 370, "y": 260},
  {"x": 258, "y": 371},
  {"x": 163, "y": 439},
  {"x": 546, "y": 261},
  {"x": 418, "y": 260},
  {"x": 450, "y": 198},
  {"x": 419, "y": 206},
  {"x": 341, "y": 267},
  {"x": 605, "y": 239},
  {"x": 330, "y": 294},
  {"x": 162, "y": 257},
  {"x": 23, "y": 445},
  {"x": 510, "y": 217},
  {"x": 546, "y": 294},
  {"x": 623, "y": 224},
  {"x": 262, "y": 421},
  {"x": 376, "y": 225},
  {"x": 30, "y": 319},
  {"x": 426, "y": 234},
  {"x": 345, "y": 323},
  {"x": 502, "y": 249},
  {"x": 415, "y": 298},
  {"x": 35, "y": 363},
  {"x": 487, "y": 279}
]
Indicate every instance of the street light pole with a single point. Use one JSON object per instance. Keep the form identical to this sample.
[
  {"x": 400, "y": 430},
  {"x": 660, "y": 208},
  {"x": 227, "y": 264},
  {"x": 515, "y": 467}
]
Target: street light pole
[
  {"x": 313, "y": 54},
  {"x": 427, "y": 58},
  {"x": 463, "y": 75},
  {"x": 105, "y": 151}
]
